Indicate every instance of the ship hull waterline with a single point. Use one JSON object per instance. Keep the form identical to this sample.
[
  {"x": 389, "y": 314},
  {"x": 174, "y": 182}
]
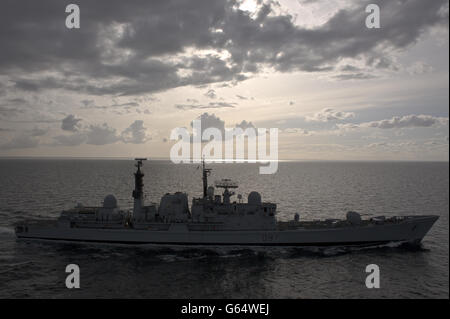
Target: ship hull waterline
[{"x": 411, "y": 230}]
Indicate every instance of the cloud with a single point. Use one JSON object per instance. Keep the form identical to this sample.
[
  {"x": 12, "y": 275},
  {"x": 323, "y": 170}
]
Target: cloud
[
  {"x": 119, "y": 49},
  {"x": 101, "y": 135},
  {"x": 377, "y": 145},
  {"x": 7, "y": 112},
  {"x": 211, "y": 105},
  {"x": 12, "y": 107},
  {"x": 245, "y": 125},
  {"x": 70, "y": 123},
  {"x": 135, "y": 133},
  {"x": 418, "y": 68},
  {"x": 210, "y": 121},
  {"x": 407, "y": 121},
  {"x": 37, "y": 131},
  {"x": 20, "y": 141},
  {"x": 328, "y": 114},
  {"x": 15, "y": 101},
  {"x": 211, "y": 94},
  {"x": 70, "y": 140},
  {"x": 354, "y": 76},
  {"x": 397, "y": 122},
  {"x": 349, "y": 68},
  {"x": 89, "y": 104},
  {"x": 297, "y": 131}
]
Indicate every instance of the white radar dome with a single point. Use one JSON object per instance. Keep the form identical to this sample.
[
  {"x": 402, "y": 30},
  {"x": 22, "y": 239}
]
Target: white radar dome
[{"x": 110, "y": 202}]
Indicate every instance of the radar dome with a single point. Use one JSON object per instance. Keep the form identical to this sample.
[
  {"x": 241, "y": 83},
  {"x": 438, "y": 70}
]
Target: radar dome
[
  {"x": 353, "y": 218},
  {"x": 110, "y": 202},
  {"x": 254, "y": 198}
]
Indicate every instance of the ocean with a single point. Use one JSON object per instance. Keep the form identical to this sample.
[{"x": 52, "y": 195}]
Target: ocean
[{"x": 40, "y": 188}]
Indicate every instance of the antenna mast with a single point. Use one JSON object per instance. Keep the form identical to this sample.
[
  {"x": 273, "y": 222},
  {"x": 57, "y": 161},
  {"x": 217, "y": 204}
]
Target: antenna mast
[
  {"x": 206, "y": 172},
  {"x": 138, "y": 192}
]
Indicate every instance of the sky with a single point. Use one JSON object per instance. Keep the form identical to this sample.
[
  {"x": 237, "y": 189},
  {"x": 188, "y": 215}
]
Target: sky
[{"x": 135, "y": 70}]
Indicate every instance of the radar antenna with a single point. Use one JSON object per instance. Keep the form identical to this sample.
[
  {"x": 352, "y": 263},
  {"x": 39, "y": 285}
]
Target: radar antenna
[{"x": 226, "y": 184}]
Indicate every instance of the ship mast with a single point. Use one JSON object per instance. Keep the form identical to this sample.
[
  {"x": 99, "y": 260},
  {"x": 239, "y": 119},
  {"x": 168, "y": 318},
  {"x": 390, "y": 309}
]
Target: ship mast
[
  {"x": 206, "y": 172},
  {"x": 138, "y": 192}
]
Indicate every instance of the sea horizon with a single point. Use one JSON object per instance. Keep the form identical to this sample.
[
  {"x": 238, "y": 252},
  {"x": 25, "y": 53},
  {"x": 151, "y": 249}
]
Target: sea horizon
[{"x": 245, "y": 161}]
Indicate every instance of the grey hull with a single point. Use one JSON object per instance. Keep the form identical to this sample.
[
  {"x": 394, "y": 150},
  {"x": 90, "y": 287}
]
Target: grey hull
[{"x": 412, "y": 230}]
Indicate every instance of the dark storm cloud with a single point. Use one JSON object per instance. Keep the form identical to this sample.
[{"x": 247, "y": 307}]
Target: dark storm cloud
[
  {"x": 26, "y": 85},
  {"x": 139, "y": 46},
  {"x": 70, "y": 123}
]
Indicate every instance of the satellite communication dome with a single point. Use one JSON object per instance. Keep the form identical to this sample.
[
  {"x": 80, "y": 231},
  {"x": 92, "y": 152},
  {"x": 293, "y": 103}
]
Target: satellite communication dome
[
  {"x": 353, "y": 218},
  {"x": 254, "y": 198},
  {"x": 110, "y": 202}
]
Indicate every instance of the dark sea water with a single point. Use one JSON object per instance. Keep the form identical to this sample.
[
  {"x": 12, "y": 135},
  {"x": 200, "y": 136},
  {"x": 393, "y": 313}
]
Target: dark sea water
[{"x": 39, "y": 189}]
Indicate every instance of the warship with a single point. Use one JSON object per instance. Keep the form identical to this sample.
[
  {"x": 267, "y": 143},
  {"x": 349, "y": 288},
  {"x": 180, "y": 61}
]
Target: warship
[{"x": 216, "y": 219}]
